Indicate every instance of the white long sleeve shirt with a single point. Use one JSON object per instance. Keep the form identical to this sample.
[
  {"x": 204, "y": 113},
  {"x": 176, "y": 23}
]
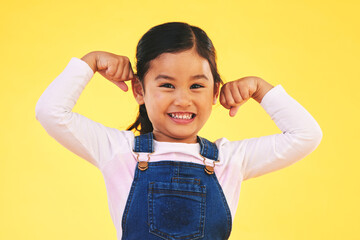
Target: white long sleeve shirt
[{"x": 110, "y": 149}]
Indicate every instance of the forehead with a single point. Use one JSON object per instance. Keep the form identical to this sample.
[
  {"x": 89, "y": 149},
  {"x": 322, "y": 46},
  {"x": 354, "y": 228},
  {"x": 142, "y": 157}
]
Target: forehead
[{"x": 182, "y": 64}]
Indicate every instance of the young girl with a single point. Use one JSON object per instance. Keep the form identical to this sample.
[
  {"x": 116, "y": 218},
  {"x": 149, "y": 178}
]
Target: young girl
[{"x": 168, "y": 182}]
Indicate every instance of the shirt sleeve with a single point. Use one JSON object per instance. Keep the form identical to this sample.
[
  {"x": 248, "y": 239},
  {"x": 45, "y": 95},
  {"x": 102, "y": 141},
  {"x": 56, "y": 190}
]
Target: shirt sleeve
[
  {"x": 301, "y": 135},
  {"x": 79, "y": 134}
]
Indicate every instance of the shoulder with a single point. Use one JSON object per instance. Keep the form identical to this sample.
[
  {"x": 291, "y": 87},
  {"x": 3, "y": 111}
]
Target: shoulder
[
  {"x": 230, "y": 149},
  {"x": 225, "y": 144},
  {"x": 124, "y": 138},
  {"x": 119, "y": 141},
  {"x": 117, "y": 145}
]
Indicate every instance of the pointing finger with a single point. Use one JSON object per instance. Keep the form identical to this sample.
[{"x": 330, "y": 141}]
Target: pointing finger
[
  {"x": 233, "y": 110},
  {"x": 121, "y": 85}
]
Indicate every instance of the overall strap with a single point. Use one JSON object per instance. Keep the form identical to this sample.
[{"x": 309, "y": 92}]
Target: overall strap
[
  {"x": 144, "y": 143},
  {"x": 208, "y": 149}
]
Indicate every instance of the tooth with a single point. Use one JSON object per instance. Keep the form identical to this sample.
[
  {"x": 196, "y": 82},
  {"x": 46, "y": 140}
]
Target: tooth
[{"x": 181, "y": 115}]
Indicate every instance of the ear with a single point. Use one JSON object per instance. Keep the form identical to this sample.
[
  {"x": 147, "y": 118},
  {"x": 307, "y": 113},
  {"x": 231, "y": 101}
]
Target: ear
[
  {"x": 137, "y": 90},
  {"x": 216, "y": 92}
]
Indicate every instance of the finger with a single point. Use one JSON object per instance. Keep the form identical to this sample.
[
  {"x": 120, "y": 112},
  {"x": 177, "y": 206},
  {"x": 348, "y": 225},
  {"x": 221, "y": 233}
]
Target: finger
[
  {"x": 111, "y": 70},
  {"x": 233, "y": 110},
  {"x": 228, "y": 96},
  {"x": 121, "y": 85},
  {"x": 125, "y": 73},
  {"x": 222, "y": 99},
  {"x": 235, "y": 92},
  {"x": 119, "y": 73},
  {"x": 131, "y": 72},
  {"x": 244, "y": 91}
]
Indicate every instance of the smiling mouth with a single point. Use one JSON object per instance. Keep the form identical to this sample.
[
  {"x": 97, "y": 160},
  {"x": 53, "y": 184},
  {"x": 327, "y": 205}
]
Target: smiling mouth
[{"x": 184, "y": 116}]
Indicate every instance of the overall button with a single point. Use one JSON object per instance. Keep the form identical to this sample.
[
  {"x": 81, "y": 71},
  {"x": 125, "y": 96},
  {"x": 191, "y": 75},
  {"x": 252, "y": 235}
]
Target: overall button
[{"x": 143, "y": 165}]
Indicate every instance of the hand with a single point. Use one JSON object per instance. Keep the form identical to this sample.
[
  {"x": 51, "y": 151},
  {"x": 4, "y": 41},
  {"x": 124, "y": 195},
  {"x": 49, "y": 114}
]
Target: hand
[
  {"x": 236, "y": 93},
  {"x": 115, "y": 68}
]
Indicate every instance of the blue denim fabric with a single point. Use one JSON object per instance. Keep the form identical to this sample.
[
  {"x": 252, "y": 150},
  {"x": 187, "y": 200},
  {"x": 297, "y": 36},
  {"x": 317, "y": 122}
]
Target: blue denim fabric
[{"x": 175, "y": 200}]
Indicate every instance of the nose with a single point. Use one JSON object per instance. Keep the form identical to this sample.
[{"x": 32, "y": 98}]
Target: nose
[{"x": 183, "y": 98}]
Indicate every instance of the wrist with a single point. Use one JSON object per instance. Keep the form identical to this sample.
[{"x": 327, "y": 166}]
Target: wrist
[
  {"x": 262, "y": 88},
  {"x": 90, "y": 59}
]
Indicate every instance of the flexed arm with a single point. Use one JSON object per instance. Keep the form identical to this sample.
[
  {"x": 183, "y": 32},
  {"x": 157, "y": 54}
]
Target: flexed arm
[
  {"x": 74, "y": 131},
  {"x": 301, "y": 134}
]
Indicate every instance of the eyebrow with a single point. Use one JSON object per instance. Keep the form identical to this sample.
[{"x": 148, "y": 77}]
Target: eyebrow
[{"x": 199, "y": 76}]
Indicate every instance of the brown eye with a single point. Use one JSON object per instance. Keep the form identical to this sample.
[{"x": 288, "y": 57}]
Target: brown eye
[
  {"x": 196, "y": 86},
  {"x": 167, "y": 85}
]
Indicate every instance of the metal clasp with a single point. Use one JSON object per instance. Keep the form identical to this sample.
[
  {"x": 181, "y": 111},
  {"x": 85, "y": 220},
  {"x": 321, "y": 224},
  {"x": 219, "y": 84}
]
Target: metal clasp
[
  {"x": 209, "y": 169},
  {"x": 143, "y": 165}
]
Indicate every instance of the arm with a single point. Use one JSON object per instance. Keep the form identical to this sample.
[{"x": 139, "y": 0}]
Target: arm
[
  {"x": 300, "y": 135},
  {"x": 75, "y": 132}
]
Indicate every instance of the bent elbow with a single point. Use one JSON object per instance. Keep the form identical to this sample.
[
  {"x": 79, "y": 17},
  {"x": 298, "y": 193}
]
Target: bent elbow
[
  {"x": 306, "y": 143},
  {"x": 318, "y": 135},
  {"x": 39, "y": 111},
  {"x": 48, "y": 116},
  {"x": 314, "y": 136},
  {"x": 310, "y": 137},
  {"x": 296, "y": 146}
]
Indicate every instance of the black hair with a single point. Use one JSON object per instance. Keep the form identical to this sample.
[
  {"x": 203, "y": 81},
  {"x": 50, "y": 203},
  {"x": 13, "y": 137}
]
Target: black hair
[{"x": 170, "y": 37}]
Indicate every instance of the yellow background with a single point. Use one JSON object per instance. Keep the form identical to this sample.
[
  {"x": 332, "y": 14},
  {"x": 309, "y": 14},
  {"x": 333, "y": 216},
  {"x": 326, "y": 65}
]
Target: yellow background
[{"x": 309, "y": 47}]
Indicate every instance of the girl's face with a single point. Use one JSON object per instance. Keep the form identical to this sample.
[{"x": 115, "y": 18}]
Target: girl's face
[{"x": 179, "y": 94}]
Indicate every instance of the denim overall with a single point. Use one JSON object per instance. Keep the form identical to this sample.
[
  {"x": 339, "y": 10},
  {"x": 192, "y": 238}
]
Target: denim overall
[{"x": 175, "y": 200}]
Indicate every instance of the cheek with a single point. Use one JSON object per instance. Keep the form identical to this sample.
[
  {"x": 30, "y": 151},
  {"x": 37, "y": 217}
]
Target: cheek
[
  {"x": 205, "y": 102},
  {"x": 206, "y": 98},
  {"x": 155, "y": 102},
  {"x": 156, "y": 99}
]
